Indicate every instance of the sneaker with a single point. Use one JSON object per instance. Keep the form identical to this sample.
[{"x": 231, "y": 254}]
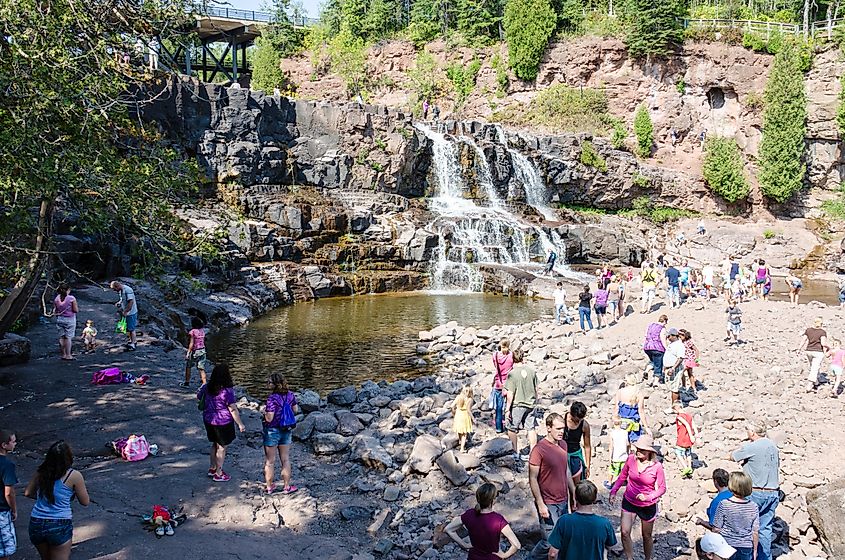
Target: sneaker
[
  {"x": 222, "y": 477},
  {"x": 211, "y": 472},
  {"x": 160, "y": 531},
  {"x": 524, "y": 458},
  {"x": 184, "y": 384},
  {"x": 168, "y": 530},
  {"x": 608, "y": 485}
]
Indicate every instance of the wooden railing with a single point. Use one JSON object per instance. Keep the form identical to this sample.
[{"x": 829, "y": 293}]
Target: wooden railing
[{"x": 819, "y": 29}]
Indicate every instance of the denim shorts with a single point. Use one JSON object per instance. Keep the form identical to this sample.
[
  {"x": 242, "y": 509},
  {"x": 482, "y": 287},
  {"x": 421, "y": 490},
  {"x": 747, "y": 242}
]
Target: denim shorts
[
  {"x": 277, "y": 436},
  {"x": 54, "y": 532},
  {"x": 131, "y": 322},
  {"x": 8, "y": 538}
]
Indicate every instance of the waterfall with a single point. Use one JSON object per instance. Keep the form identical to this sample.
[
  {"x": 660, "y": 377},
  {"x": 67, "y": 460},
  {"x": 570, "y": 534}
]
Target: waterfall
[
  {"x": 470, "y": 234},
  {"x": 529, "y": 177},
  {"x": 485, "y": 177}
]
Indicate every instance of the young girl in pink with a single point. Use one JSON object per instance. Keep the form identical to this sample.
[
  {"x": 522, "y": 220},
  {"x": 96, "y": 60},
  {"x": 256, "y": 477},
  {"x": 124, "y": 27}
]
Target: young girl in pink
[
  {"x": 837, "y": 364},
  {"x": 691, "y": 356}
]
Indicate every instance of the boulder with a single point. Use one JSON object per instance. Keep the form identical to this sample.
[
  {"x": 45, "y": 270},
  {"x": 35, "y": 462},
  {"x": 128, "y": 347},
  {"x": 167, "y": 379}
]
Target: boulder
[
  {"x": 348, "y": 424},
  {"x": 328, "y": 444},
  {"x": 825, "y": 505},
  {"x": 426, "y": 449},
  {"x": 308, "y": 400},
  {"x": 324, "y": 422},
  {"x": 369, "y": 451},
  {"x": 14, "y": 349},
  {"x": 452, "y": 469},
  {"x": 343, "y": 397},
  {"x": 494, "y": 448},
  {"x": 304, "y": 429}
]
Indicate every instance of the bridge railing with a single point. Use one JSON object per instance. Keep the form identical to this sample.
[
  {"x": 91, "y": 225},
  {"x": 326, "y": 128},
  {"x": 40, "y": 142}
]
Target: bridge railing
[
  {"x": 820, "y": 29},
  {"x": 251, "y": 15}
]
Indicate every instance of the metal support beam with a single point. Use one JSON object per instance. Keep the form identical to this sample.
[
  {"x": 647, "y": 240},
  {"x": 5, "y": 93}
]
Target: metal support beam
[{"x": 234, "y": 48}]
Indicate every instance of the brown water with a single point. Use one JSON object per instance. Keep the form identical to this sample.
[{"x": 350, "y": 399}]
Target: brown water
[
  {"x": 825, "y": 291},
  {"x": 331, "y": 343}
]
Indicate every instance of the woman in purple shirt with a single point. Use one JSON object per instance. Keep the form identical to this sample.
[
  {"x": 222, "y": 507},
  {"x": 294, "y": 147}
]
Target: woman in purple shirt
[
  {"x": 219, "y": 414},
  {"x": 65, "y": 309},
  {"x": 654, "y": 345},
  {"x": 600, "y": 301},
  {"x": 485, "y": 528}
]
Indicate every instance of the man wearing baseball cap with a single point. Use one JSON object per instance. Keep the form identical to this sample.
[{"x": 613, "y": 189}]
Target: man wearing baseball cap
[
  {"x": 712, "y": 546},
  {"x": 673, "y": 359}
]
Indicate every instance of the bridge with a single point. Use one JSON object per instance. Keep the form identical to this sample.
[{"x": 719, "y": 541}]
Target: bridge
[{"x": 234, "y": 28}]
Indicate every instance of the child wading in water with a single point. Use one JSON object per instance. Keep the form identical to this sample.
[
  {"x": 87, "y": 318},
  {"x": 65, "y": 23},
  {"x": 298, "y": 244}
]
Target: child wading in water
[
  {"x": 462, "y": 409},
  {"x": 89, "y": 336},
  {"x": 837, "y": 363},
  {"x": 196, "y": 351},
  {"x": 687, "y": 435},
  {"x": 734, "y": 322},
  {"x": 691, "y": 356},
  {"x": 618, "y": 451}
]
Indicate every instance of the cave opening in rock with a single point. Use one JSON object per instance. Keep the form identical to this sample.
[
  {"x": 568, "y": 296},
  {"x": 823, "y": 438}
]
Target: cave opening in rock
[{"x": 716, "y": 98}]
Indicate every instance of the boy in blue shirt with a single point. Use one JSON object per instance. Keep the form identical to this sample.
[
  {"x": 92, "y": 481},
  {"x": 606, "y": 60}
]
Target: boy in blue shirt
[
  {"x": 8, "y": 504},
  {"x": 582, "y": 535}
]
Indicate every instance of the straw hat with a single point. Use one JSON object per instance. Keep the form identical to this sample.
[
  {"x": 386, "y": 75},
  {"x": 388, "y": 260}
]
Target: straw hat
[{"x": 645, "y": 443}]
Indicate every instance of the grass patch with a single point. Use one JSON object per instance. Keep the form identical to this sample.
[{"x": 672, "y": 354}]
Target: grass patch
[
  {"x": 563, "y": 109},
  {"x": 591, "y": 158},
  {"x": 642, "y": 207},
  {"x": 769, "y": 234}
]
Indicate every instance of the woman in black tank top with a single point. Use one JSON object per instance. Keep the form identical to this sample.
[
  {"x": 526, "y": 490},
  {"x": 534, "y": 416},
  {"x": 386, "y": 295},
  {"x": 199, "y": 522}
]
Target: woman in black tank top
[{"x": 572, "y": 436}]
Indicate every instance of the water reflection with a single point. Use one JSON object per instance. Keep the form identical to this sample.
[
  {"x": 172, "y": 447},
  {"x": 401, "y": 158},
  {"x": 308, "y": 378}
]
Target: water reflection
[{"x": 335, "y": 342}]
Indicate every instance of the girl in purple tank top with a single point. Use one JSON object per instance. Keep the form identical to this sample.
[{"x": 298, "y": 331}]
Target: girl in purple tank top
[{"x": 485, "y": 528}]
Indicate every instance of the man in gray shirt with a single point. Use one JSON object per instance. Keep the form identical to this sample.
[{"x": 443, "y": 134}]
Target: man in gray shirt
[
  {"x": 128, "y": 308},
  {"x": 761, "y": 461}
]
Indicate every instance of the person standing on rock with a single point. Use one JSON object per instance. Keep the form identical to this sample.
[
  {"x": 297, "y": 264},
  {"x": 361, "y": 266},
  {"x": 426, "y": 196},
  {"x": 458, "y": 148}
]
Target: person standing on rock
[
  {"x": 734, "y": 325},
  {"x": 127, "y": 308},
  {"x": 278, "y": 422},
  {"x": 760, "y": 460},
  {"x": 654, "y": 346},
  {"x": 600, "y": 305},
  {"x": 648, "y": 277},
  {"x": 673, "y": 364},
  {"x": 582, "y": 535},
  {"x": 561, "y": 314},
  {"x": 614, "y": 302},
  {"x": 550, "y": 263},
  {"x": 462, "y": 416},
  {"x": 691, "y": 359},
  {"x": 738, "y": 519},
  {"x": 707, "y": 278},
  {"x": 629, "y": 407},
  {"x": 521, "y": 388},
  {"x": 814, "y": 343},
  {"x": 65, "y": 309},
  {"x": 502, "y": 366},
  {"x": 645, "y": 484},
  {"x": 195, "y": 355},
  {"x": 673, "y": 287},
  {"x": 550, "y": 480},
  {"x": 837, "y": 364},
  {"x": 585, "y": 299},
  {"x": 687, "y": 434},
  {"x": 485, "y": 528},
  {"x": 684, "y": 279},
  {"x": 577, "y": 429},
  {"x": 761, "y": 277},
  {"x": 219, "y": 414}
]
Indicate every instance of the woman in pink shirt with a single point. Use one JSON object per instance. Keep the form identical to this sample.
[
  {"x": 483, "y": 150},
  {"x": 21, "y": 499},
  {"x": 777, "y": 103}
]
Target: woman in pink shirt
[
  {"x": 646, "y": 483},
  {"x": 502, "y": 366},
  {"x": 65, "y": 309},
  {"x": 837, "y": 363}
]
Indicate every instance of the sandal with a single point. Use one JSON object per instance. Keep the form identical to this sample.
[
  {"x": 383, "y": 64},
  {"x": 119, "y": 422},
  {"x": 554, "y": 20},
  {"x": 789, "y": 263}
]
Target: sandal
[{"x": 290, "y": 489}]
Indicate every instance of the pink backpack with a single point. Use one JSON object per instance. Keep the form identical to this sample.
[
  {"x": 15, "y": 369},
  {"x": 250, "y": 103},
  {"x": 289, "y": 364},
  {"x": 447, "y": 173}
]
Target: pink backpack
[
  {"x": 108, "y": 376},
  {"x": 136, "y": 448}
]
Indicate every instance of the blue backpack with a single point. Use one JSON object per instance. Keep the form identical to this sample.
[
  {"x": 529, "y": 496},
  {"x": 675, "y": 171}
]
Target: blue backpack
[{"x": 284, "y": 417}]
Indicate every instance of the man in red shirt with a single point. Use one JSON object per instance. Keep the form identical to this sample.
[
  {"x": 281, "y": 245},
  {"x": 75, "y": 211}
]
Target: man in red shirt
[{"x": 550, "y": 480}]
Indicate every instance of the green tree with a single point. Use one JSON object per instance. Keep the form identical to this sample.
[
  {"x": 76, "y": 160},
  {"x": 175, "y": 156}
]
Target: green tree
[
  {"x": 463, "y": 80},
  {"x": 278, "y": 40},
  {"x": 528, "y": 26},
  {"x": 348, "y": 58},
  {"x": 425, "y": 22},
  {"x": 782, "y": 167},
  {"x": 644, "y": 131},
  {"x": 381, "y": 19},
  {"x": 353, "y": 14},
  {"x": 68, "y": 144},
  {"x": 723, "y": 168},
  {"x": 655, "y": 26},
  {"x": 424, "y": 81},
  {"x": 477, "y": 20},
  {"x": 570, "y": 15}
]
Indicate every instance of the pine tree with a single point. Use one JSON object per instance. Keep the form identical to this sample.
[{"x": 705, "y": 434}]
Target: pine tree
[
  {"x": 644, "y": 131},
  {"x": 723, "y": 168},
  {"x": 380, "y": 20},
  {"x": 782, "y": 167},
  {"x": 570, "y": 14},
  {"x": 353, "y": 14},
  {"x": 528, "y": 26},
  {"x": 477, "y": 19},
  {"x": 656, "y": 26}
]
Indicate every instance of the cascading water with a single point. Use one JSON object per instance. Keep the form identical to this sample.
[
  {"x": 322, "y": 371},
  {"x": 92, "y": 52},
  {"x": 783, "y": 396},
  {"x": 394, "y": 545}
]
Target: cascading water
[
  {"x": 470, "y": 234},
  {"x": 527, "y": 174}
]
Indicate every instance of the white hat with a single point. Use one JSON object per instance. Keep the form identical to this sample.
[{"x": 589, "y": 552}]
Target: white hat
[{"x": 715, "y": 543}]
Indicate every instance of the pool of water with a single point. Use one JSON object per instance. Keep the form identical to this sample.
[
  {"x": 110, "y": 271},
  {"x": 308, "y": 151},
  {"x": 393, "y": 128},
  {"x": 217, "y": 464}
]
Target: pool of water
[
  {"x": 824, "y": 291},
  {"x": 331, "y": 343}
]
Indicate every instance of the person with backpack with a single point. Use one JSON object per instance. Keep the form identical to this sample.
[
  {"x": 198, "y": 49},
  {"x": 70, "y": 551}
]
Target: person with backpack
[
  {"x": 278, "y": 422},
  {"x": 219, "y": 414},
  {"x": 53, "y": 487}
]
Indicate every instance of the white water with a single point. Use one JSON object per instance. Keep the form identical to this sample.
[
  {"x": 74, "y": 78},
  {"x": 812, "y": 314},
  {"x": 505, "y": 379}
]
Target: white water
[
  {"x": 529, "y": 177},
  {"x": 470, "y": 234}
]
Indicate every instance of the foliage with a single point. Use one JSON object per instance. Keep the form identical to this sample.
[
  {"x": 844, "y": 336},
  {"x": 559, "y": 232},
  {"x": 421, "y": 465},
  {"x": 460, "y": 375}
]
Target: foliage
[
  {"x": 424, "y": 81},
  {"x": 644, "y": 207},
  {"x": 267, "y": 73},
  {"x": 681, "y": 85},
  {"x": 769, "y": 234},
  {"x": 754, "y": 101},
  {"x": 723, "y": 169},
  {"x": 641, "y": 181},
  {"x": 655, "y": 26},
  {"x": 502, "y": 80},
  {"x": 590, "y": 157},
  {"x": 619, "y": 134},
  {"x": 348, "y": 57},
  {"x": 562, "y": 108},
  {"x": 478, "y": 20},
  {"x": 463, "y": 80},
  {"x": 570, "y": 15},
  {"x": 528, "y": 26},
  {"x": 644, "y": 131},
  {"x": 835, "y": 208},
  {"x": 429, "y": 19},
  {"x": 840, "y": 110},
  {"x": 68, "y": 143},
  {"x": 781, "y": 161}
]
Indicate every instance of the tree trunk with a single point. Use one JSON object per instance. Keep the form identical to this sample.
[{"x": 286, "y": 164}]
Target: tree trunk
[
  {"x": 14, "y": 304},
  {"x": 806, "y": 18}
]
